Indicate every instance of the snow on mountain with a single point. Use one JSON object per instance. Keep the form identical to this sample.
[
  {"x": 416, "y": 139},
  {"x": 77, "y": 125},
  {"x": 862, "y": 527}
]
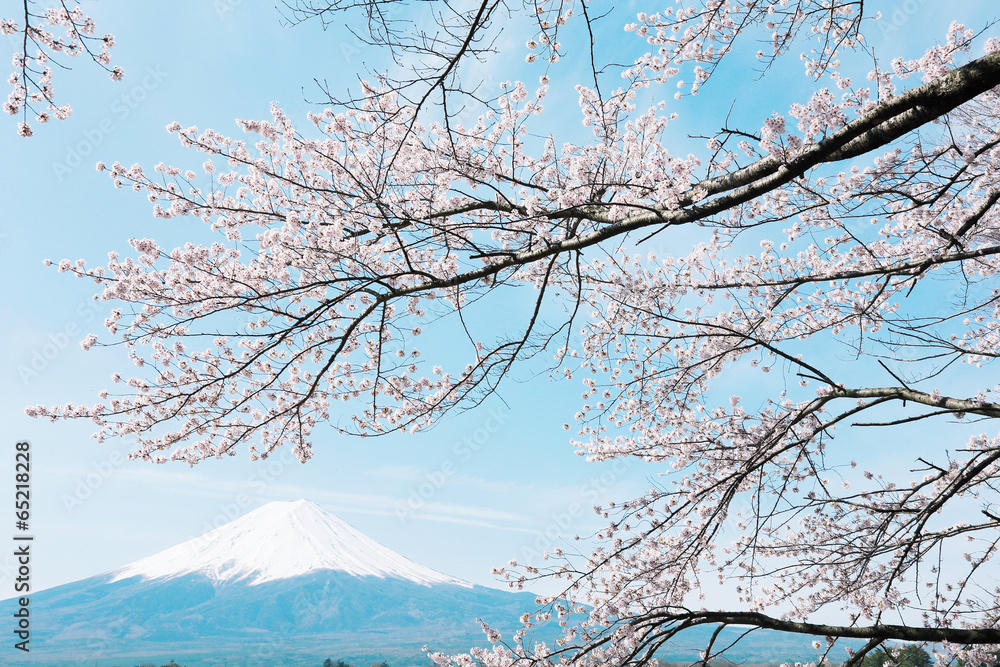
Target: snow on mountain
[{"x": 282, "y": 540}]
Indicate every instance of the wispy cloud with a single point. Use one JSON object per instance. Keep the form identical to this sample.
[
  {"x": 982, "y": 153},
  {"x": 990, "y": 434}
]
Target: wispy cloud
[{"x": 346, "y": 503}]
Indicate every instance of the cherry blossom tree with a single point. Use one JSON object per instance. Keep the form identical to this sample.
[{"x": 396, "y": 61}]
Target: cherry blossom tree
[
  {"x": 46, "y": 35},
  {"x": 845, "y": 258}
]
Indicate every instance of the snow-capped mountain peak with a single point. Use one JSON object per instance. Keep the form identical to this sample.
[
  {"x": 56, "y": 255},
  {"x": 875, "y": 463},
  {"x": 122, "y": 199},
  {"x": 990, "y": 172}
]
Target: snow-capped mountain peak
[{"x": 278, "y": 541}]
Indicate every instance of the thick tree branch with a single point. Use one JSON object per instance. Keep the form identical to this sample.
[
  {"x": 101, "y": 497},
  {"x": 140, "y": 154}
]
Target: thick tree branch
[
  {"x": 905, "y": 394},
  {"x": 880, "y": 631}
]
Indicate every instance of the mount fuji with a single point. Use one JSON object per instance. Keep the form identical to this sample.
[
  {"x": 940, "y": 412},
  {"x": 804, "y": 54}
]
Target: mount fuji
[
  {"x": 291, "y": 584},
  {"x": 286, "y": 584}
]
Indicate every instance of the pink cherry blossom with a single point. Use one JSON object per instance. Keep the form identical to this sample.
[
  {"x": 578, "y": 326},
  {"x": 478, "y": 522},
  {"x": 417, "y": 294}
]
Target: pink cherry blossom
[{"x": 50, "y": 34}]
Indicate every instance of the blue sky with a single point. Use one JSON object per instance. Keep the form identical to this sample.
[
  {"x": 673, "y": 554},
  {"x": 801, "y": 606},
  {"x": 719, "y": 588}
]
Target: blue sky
[{"x": 482, "y": 487}]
